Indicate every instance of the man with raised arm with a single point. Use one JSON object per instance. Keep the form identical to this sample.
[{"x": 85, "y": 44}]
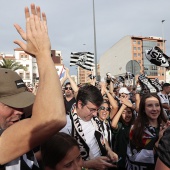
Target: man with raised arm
[
  {"x": 70, "y": 91},
  {"x": 48, "y": 115}
]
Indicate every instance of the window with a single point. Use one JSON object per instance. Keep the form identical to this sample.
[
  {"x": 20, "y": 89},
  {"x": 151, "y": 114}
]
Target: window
[
  {"x": 153, "y": 67},
  {"x": 134, "y": 48},
  {"x": 34, "y": 75},
  {"x": 155, "y": 73},
  {"x": 134, "y": 54},
  {"x": 138, "y": 42},
  {"x": 23, "y": 56},
  {"x": 139, "y": 54},
  {"x": 27, "y": 75},
  {"x": 138, "y": 48},
  {"x": 21, "y": 75},
  {"x": 134, "y": 41}
]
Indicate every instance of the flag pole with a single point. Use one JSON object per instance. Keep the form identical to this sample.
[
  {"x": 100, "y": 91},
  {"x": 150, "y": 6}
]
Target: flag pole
[
  {"x": 91, "y": 72},
  {"x": 95, "y": 49},
  {"x": 163, "y": 45}
]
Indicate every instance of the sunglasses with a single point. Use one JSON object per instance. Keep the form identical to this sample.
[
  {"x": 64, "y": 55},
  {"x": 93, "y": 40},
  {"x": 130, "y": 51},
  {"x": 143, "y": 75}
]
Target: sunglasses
[
  {"x": 123, "y": 95},
  {"x": 104, "y": 108},
  {"x": 68, "y": 88}
]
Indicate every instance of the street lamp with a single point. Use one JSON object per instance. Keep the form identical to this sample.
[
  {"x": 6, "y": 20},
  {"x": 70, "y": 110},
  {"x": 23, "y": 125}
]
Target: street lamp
[
  {"x": 163, "y": 35},
  {"x": 95, "y": 49},
  {"x": 84, "y": 47},
  {"x": 163, "y": 47}
]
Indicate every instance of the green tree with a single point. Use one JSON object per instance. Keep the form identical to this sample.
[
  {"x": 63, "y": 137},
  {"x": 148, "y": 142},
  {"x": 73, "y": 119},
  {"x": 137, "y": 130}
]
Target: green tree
[{"x": 11, "y": 64}]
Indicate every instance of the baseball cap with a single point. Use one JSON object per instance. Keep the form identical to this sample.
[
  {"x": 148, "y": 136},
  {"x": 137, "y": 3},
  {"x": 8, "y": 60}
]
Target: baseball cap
[
  {"x": 108, "y": 74},
  {"x": 13, "y": 91},
  {"x": 123, "y": 90}
]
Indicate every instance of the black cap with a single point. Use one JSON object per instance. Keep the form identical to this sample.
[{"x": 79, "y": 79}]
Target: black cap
[{"x": 166, "y": 85}]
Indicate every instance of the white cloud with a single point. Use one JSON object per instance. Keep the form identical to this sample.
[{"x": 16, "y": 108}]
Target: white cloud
[{"x": 71, "y": 23}]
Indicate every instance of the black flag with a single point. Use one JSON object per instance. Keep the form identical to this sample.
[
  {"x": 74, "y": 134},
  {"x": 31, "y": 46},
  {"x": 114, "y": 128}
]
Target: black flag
[{"x": 157, "y": 57}]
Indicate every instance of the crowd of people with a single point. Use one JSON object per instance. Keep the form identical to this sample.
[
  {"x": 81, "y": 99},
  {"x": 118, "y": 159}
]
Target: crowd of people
[{"x": 98, "y": 125}]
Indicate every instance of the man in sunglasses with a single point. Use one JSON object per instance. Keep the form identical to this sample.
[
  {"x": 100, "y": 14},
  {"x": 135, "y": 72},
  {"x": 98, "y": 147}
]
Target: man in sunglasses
[
  {"x": 84, "y": 125},
  {"x": 69, "y": 98},
  {"x": 70, "y": 91}
]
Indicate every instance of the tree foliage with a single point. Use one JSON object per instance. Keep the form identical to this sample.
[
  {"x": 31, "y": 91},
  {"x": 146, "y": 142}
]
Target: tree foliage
[{"x": 11, "y": 64}]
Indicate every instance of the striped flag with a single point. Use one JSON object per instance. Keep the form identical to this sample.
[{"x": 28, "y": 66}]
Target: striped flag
[
  {"x": 82, "y": 59},
  {"x": 62, "y": 73}
]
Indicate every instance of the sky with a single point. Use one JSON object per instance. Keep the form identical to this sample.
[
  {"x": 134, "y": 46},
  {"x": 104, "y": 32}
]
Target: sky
[{"x": 71, "y": 24}]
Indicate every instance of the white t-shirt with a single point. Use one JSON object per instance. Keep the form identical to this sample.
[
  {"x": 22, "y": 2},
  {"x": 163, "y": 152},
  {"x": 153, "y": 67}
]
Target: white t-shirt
[
  {"x": 68, "y": 127},
  {"x": 88, "y": 130}
]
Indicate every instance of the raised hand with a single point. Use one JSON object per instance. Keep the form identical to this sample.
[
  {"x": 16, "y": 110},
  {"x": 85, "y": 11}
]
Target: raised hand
[
  {"x": 67, "y": 72},
  {"x": 36, "y": 35}
]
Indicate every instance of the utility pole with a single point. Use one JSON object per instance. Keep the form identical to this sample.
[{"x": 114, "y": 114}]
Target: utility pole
[
  {"x": 95, "y": 48},
  {"x": 163, "y": 46}
]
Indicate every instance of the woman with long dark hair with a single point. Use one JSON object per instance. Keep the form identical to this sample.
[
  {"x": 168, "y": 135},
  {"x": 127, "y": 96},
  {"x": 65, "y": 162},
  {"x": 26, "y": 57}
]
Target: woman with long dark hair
[
  {"x": 145, "y": 133},
  {"x": 121, "y": 124}
]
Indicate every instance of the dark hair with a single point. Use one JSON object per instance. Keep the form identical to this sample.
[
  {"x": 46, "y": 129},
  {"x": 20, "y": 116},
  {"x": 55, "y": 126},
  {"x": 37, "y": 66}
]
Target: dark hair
[
  {"x": 142, "y": 120},
  {"x": 56, "y": 148},
  {"x": 89, "y": 93},
  {"x": 165, "y": 85},
  {"x": 104, "y": 101},
  {"x": 132, "y": 119},
  {"x": 68, "y": 83}
]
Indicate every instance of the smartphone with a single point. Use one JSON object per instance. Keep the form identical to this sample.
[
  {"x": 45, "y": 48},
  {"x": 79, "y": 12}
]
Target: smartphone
[{"x": 115, "y": 163}]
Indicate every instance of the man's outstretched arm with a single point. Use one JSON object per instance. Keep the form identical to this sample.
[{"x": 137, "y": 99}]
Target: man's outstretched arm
[{"x": 48, "y": 115}]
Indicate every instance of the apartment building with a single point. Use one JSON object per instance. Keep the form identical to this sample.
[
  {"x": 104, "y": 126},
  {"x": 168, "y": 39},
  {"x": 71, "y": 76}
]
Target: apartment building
[
  {"x": 83, "y": 75},
  {"x": 128, "y": 48},
  {"x": 31, "y": 75}
]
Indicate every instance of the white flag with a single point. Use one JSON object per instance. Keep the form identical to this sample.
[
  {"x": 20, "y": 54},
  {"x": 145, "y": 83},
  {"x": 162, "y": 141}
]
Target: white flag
[{"x": 82, "y": 59}]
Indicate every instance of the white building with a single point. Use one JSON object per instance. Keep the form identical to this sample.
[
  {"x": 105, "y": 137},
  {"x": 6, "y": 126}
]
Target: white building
[
  {"x": 31, "y": 75},
  {"x": 29, "y": 62}
]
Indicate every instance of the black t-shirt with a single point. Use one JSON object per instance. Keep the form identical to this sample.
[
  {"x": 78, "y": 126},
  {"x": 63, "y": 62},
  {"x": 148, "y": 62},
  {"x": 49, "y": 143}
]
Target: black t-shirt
[
  {"x": 69, "y": 104},
  {"x": 121, "y": 139}
]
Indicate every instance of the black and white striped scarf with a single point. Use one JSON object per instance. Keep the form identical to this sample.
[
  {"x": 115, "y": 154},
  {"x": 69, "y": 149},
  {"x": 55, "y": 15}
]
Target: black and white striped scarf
[{"x": 78, "y": 134}]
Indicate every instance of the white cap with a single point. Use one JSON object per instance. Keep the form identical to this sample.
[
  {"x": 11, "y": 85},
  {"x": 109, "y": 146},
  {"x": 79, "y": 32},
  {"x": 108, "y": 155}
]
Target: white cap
[
  {"x": 108, "y": 74},
  {"x": 123, "y": 90}
]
